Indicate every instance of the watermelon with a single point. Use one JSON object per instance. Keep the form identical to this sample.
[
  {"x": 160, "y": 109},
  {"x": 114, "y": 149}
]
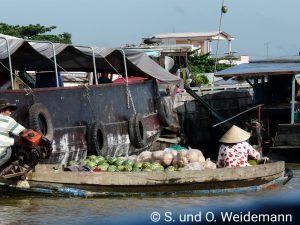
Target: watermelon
[
  {"x": 112, "y": 168},
  {"x": 119, "y": 161},
  {"x": 127, "y": 168},
  {"x": 92, "y": 165},
  {"x": 146, "y": 165},
  {"x": 128, "y": 162},
  {"x": 170, "y": 169},
  {"x": 121, "y": 167},
  {"x": 73, "y": 163},
  {"x": 138, "y": 164},
  {"x": 112, "y": 160},
  {"x": 92, "y": 157},
  {"x": 157, "y": 167},
  {"x": 103, "y": 166},
  {"x": 136, "y": 169}
]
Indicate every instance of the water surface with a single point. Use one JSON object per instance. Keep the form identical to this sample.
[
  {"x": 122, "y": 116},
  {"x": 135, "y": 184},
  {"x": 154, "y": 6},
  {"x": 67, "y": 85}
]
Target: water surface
[{"x": 50, "y": 210}]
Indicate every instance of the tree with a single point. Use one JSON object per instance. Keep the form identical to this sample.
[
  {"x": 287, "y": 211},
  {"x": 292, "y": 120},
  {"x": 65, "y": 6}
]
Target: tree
[
  {"x": 204, "y": 64},
  {"x": 35, "y": 32},
  {"x": 200, "y": 64}
]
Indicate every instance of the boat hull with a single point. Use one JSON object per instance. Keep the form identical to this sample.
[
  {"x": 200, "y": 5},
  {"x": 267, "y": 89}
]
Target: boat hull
[
  {"x": 104, "y": 184},
  {"x": 74, "y": 109}
]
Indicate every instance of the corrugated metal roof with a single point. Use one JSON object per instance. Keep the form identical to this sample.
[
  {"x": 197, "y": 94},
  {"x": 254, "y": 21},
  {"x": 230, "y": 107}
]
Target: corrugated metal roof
[
  {"x": 263, "y": 68},
  {"x": 193, "y": 35}
]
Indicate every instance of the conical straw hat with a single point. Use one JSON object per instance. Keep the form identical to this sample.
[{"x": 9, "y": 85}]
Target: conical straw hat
[{"x": 235, "y": 135}]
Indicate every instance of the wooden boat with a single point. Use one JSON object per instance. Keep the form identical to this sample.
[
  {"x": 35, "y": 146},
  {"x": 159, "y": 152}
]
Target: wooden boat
[
  {"x": 47, "y": 180},
  {"x": 93, "y": 117}
]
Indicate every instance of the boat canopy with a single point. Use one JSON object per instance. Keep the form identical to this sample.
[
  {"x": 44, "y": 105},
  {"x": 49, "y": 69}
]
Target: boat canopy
[
  {"x": 35, "y": 55},
  {"x": 278, "y": 66}
]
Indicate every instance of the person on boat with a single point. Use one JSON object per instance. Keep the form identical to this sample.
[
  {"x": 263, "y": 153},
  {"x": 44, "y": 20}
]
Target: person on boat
[
  {"x": 235, "y": 149},
  {"x": 8, "y": 127}
]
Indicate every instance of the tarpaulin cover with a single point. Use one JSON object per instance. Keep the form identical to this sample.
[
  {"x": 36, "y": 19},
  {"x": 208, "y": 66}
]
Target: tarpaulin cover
[
  {"x": 278, "y": 66},
  {"x": 39, "y": 56}
]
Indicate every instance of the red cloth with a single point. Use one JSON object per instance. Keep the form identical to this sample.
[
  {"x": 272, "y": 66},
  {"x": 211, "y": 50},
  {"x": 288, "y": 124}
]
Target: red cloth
[{"x": 130, "y": 79}]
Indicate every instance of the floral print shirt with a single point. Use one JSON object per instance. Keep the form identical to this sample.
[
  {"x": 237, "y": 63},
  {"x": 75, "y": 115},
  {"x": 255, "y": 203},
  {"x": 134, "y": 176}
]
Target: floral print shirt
[{"x": 236, "y": 155}]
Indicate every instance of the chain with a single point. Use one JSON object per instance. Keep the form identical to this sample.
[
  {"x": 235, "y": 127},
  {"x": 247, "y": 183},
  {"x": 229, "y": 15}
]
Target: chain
[
  {"x": 128, "y": 92},
  {"x": 89, "y": 101},
  {"x": 130, "y": 99}
]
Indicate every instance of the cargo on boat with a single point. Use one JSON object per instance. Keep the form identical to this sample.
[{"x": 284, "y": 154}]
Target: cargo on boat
[{"x": 45, "y": 179}]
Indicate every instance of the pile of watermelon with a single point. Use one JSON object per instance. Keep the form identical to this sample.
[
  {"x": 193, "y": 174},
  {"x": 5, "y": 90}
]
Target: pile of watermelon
[{"x": 119, "y": 164}]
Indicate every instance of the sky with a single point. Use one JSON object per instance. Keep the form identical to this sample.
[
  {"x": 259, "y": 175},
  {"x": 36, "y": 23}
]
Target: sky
[{"x": 262, "y": 28}]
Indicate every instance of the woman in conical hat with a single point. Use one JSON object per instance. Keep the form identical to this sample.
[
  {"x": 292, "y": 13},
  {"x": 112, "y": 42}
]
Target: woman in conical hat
[{"x": 235, "y": 149}]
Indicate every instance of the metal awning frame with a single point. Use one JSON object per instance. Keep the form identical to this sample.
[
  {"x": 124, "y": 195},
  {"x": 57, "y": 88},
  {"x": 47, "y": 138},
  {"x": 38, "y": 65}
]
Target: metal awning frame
[{"x": 9, "y": 61}]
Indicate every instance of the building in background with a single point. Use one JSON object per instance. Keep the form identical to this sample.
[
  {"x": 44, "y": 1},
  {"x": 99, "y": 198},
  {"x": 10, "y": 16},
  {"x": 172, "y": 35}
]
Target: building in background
[{"x": 201, "y": 41}]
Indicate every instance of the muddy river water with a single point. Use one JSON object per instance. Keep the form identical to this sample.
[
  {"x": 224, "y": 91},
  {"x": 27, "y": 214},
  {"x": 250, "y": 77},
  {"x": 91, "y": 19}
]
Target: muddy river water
[{"x": 163, "y": 210}]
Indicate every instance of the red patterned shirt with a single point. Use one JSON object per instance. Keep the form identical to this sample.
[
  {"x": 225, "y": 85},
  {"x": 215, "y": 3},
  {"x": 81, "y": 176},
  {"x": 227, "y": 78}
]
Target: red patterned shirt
[{"x": 236, "y": 155}]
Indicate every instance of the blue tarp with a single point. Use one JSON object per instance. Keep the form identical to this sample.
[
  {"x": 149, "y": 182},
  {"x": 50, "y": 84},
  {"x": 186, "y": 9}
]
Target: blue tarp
[{"x": 262, "y": 68}]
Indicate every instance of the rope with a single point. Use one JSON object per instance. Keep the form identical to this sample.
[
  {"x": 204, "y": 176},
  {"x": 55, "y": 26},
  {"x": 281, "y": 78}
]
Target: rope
[
  {"x": 241, "y": 113},
  {"x": 128, "y": 92},
  {"x": 89, "y": 101}
]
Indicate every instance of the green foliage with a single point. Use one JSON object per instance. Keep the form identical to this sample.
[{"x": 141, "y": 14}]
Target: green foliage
[
  {"x": 204, "y": 64},
  {"x": 200, "y": 64},
  {"x": 35, "y": 32},
  {"x": 199, "y": 79}
]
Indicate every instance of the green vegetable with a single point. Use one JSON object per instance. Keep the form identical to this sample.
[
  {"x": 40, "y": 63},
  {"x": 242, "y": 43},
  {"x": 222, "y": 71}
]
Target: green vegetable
[
  {"x": 112, "y": 168},
  {"x": 121, "y": 167},
  {"x": 127, "y": 168},
  {"x": 84, "y": 161},
  {"x": 128, "y": 162},
  {"x": 92, "y": 157},
  {"x": 146, "y": 165},
  {"x": 136, "y": 169},
  {"x": 112, "y": 160},
  {"x": 91, "y": 164},
  {"x": 157, "y": 167},
  {"x": 170, "y": 169},
  {"x": 138, "y": 164},
  {"x": 73, "y": 163},
  {"x": 103, "y": 167},
  {"x": 119, "y": 162},
  {"x": 253, "y": 162},
  {"x": 99, "y": 159}
]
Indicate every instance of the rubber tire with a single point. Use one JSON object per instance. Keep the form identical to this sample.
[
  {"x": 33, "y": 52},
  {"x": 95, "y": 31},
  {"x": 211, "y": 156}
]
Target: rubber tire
[
  {"x": 137, "y": 131},
  {"x": 37, "y": 111},
  {"x": 96, "y": 138},
  {"x": 164, "y": 112}
]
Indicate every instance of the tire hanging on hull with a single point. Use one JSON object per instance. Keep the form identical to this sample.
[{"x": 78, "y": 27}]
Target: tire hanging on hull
[
  {"x": 164, "y": 112},
  {"x": 40, "y": 120},
  {"x": 96, "y": 138},
  {"x": 137, "y": 131}
]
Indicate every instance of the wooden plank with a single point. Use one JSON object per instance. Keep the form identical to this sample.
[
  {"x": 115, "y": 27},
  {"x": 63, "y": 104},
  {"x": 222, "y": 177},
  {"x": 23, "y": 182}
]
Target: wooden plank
[
  {"x": 287, "y": 135},
  {"x": 163, "y": 188},
  {"x": 285, "y": 147},
  {"x": 157, "y": 178},
  {"x": 169, "y": 140}
]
